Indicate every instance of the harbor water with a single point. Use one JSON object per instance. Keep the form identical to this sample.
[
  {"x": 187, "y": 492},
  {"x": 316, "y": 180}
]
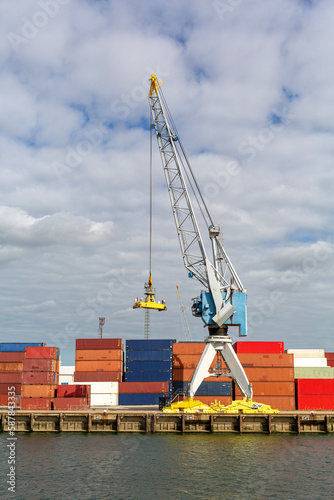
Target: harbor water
[{"x": 170, "y": 466}]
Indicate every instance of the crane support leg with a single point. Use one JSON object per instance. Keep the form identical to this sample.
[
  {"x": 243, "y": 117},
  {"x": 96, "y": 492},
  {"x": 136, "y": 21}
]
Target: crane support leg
[{"x": 223, "y": 344}]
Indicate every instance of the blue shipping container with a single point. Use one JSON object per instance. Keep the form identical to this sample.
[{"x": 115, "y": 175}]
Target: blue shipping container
[
  {"x": 207, "y": 388},
  {"x": 149, "y": 366},
  {"x": 17, "y": 347},
  {"x": 148, "y": 377},
  {"x": 139, "y": 399},
  {"x": 149, "y": 345},
  {"x": 166, "y": 355}
]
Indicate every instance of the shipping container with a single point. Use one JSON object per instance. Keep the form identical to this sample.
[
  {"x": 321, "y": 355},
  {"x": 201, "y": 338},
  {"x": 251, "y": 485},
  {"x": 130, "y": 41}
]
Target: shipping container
[
  {"x": 315, "y": 386},
  {"x": 38, "y": 391},
  {"x": 308, "y": 372},
  {"x": 266, "y": 360},
  {"x": 8, "y": 398},
  {"x": 98, "y": 376},
  {"x": 5, "y": 388},
  {"x": 330, "y": 363},
  {"x": 71, "y": 404},
  {"x": 40, "y": 378},
  {"x": 11, "y": 367},
  {"x": 98, "y": 400},
  {"x": 161, "y": 355},
  {"x": 190, "y": 361},
  {"x": 149, "y": 345},
  {"x": 207, "y": 400},
  {"x": 99, "y": 355},
  {"x": 145, "y": 387},
  {"x": 149, "y": 366},
  {"x": 329, "y": 356},
  {"x": 12, "y": 357},
  {"x": 270, "y": 374},
  {"x": 11, "y": 378},
  {"x": 139, "y": 399},
  {"x": 39, "y": 365},
  {"x": 310, "y": 362},
  {"x": 35, "y": 403},
  {"x": 82, "y": 344},
  {"x": 185, "y": 375},
  {"x": 307, "y": 353},
  {"x": 66, "y": 379},
  {"x": 103, "y": 387},
  {"x": 66, "y": 370},
  {"x": 73, "y": 391},
  {"x": 16, "y": 347},
  {"x": 98, "y": 366},
  {"x": 181, "y": 348},
  {"x": 284, "y": 403},
  {"x": 315, "y": 402},
  {"x": 271, "y": 389},
  {"x": 265, "y": 347},
  {"x": 42, "y": 352},
  {"x": 206, "y": 388},
  {"x": 148, "y": 376}
]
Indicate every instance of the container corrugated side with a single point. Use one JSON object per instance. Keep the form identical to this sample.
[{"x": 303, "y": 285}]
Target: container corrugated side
[
  {"x": 11, "y": 367},
  {"x": 36, "y": 403},
  {"x": 98, "y": 376},
  {"x": 149, "y": 366},
  {"x": 310, "y": 362},
  {"x": 148, "y": 376},
  {"x": 103, "y": 387},
  {"x": 307, "y": 353},
  {"x": 39, "y": 365},
  {"x": 66, "y": 379},
  {"x": 5, "y": 388},
  {"x": 71, "y": 404},
  {"x": 11, "y": 378},
  {"x": 185, "y": 375},
  {"x": 99, "y": 355},
  {"x": 188, "y": 348},
  {"x": 315, "y": 402},
  {"x": 269, "y": 374},
  {"x": 315, "y": 386},
  {"x": 271, "y": 389},
  {"x": 207, "y": 388},
  {"x": 66, "y": 370},
  {"x": 274, "y": 360},
  {"x": 5, "y": 398},
  {"x": 307, "y": 372},
  {"x": 73, "y": 391},
  {"x": 162, "y": 355},
  {"x": 329, "y": 356},
  {"x": 276, "y": 402},
  {"x": 12, "y": 357},
  {"x": 81, "y": 344},
  {"x": 42, "y": 352},
  {"x": 97, "y": 400},
  {"x": 149, "y": 345},
  {"x": 263, "y": 347},
  {"x": 190, "y": 361},
  {"x": 98, "y": 366},
  {"x": 40, "y": 378},
  {"x": 17, "y": 347},
  {"x": 145, "y": 387},
  {"x": 38, "y": 391},
  {"x": 139, "y": 399}
]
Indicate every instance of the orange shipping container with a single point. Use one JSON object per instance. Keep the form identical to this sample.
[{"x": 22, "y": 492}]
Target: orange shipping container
[
  {"x": 190, "y": 361},
  {"x": 266, "y": 360},
  {"x": 98, "y": 366},
  {"x": 38, "y": 391},
  {"x": 276, "y": 402},
  {"x": 57, "y": 365},
  {"x": 4, "y": 400},
  {"x": 188, "y": 348},
  {"x": 11, "y": 367},
  {"x": 270, "y": 374},
  {"x": 185, "y": 375},
  {"x": 99, "y": 355},
  {"x": 271, "y": 389}
]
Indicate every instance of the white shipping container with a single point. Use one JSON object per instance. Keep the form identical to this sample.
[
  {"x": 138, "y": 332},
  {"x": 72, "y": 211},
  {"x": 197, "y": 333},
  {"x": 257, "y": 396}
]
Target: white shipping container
[
  {"x": 309, "y": 362},
  {"x": 102, "y": 387},
  {"x": 307, "y": 353},
  {"x": 66, "y": 370},
  {"x": 103, "y": 400},
  {"x": 66, "y": 379}
]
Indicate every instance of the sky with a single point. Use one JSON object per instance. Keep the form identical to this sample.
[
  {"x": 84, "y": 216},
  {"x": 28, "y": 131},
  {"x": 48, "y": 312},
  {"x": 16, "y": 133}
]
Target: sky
[{"x": 250, "y": 86}]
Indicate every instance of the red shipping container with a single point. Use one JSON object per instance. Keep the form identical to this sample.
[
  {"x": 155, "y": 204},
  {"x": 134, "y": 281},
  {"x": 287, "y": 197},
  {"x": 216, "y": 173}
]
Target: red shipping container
[
  {"x": 39, "y": 365},
  {"x": 4, "y": 388},
  {"x": 330, "y": 363},
  {"x": 207, "y": 400},
  {"x": 11, "y": 378},
  {"x": 98, "y": 366},
  {"x": 73, "y": 391},
  {"x": 81, "y": 344},
  {"x": 315, "y": 402},
  {"x": 258, "y": 347},
  {"x": 98, "y": 376},
  {"x": 99, "y": 355},
  {"x": 39, "y": 378},
  {"x": 266, "y": 360},
  {"x": 11, "y": 367},
  {"x": 271, "y": 389},
  {"x": 190, "y": 361},
  {"x": 329, "y": 355},
  {"x": 12, "y": 357},
  {"x": 70, "y": 404},
  {"x": 188, "y": 348},
  {"x": 4, "y": 400},
  {"x": 315, "y": 386},
  {"x": 270, "y": 374},
  {"x": 143, "y": 387},
  {"x": 185, "y": 375},
  {"x": 42, "y": 352},
  {"x": 38, "y": 391},
  {"x": 285, "y": 403},
  {"x": 35, "y": 403}
]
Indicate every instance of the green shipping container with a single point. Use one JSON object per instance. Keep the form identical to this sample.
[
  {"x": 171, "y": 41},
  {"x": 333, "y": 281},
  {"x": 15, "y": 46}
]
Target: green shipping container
[{"x": 310, "y": 372}]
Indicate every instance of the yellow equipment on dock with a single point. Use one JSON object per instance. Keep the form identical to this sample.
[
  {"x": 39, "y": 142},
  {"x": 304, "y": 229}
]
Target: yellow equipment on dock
[{"x": 246, "y": 405}]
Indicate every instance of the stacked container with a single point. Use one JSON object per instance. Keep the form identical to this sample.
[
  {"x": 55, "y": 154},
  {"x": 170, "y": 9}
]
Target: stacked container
[
  {"x": 315, "y": 394},
  {"x": 270, "y": 371},
  {"x": 40, "y": 377},
  {"x": 103, "y": 394},
  {"x": 330, "y": 359},
  {"x": 72, "y": 397},
  {"x": 308, "y": 358},
  {"x": 148, "y": 373},
  {"x": 186, "y": 356},
  {"x": 98, "y": 360},
  {"x": 12, "y": 356},
  {"x": 66, "y": 374}
]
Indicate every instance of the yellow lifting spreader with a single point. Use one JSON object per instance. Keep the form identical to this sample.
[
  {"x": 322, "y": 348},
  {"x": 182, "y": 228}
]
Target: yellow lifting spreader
[
  {"x": 194, "y": 406},
  {"x": 149, "y": 302}
]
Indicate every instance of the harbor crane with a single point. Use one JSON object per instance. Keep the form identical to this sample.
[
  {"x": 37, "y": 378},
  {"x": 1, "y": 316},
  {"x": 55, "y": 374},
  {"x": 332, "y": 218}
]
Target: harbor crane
[{"x": 223, "y": 303}]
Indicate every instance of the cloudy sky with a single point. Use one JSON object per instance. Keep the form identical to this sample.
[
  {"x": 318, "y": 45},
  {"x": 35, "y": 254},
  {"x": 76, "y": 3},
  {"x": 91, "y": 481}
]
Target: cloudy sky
[{"x": 250, "y": 85}]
